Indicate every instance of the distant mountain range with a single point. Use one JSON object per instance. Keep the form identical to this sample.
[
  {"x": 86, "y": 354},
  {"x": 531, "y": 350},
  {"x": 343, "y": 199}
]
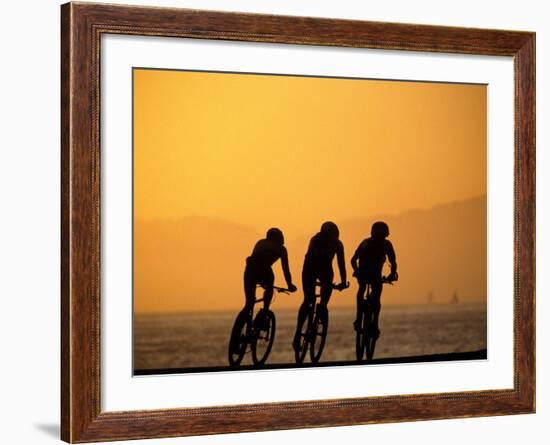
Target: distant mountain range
[
  {"x": 440, "y": 251},
  {"x": 197, "y": 263}
]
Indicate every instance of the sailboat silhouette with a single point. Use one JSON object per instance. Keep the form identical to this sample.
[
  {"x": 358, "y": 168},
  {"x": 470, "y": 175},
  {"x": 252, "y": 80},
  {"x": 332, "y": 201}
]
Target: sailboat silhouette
[
  {"x": 430, "y": 298},
  {"x": 454, "y": 298}
]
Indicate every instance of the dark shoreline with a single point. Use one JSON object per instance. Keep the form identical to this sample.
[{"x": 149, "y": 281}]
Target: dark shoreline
[{"x": 446, "y": 357}]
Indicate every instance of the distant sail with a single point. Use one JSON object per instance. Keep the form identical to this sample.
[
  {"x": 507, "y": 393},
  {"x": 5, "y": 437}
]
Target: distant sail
[
  {"x": 430, "y": 297},
  {"x": 454, "y": 298}
]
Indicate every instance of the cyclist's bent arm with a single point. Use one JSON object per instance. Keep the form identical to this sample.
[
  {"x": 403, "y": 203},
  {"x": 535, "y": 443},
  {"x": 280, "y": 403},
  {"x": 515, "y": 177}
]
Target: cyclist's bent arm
[
  {"x": 391, "y": 258},
  {"x": 286, "y": 269},
  {"x": 341, "y": 263},
  {"x": 355, "y": 258}
]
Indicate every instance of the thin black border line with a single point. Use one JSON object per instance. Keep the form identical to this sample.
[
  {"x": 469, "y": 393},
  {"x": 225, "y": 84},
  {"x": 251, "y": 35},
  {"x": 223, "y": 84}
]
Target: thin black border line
[
  {"x": 217, "y": 369},
  {"x": 315, "y": 76},
  {"x": 132, "y": 371},
  {"x": 442, "y": 358}
]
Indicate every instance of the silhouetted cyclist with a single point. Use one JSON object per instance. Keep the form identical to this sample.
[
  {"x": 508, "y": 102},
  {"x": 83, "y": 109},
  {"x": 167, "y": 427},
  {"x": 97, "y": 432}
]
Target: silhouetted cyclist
[
  {"x": 258, "y": 267},
  {"x": 367, "y": 262},
  {"x": 318, "y": 267}
]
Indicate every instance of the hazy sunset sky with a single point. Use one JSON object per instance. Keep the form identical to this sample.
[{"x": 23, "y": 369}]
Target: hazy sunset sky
[
  {"x": 260, "y": 151},
  {"x": 226, "y": 145}
]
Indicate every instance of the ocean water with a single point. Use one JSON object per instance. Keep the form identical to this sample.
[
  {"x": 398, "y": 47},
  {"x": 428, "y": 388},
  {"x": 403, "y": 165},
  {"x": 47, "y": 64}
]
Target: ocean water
[{"x": 188, "y": 340}]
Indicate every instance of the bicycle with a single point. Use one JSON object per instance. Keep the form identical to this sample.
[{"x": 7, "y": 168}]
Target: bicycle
[
  {"x": 314, "y": 328},
  {"x": 258, "y": 332},
  {"x": 365, "y": 340}
]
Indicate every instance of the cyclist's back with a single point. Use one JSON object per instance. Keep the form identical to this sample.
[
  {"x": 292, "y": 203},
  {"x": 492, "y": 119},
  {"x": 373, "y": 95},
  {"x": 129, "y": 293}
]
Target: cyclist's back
[
  {"x": 258, "y": 267},
  {"x": 371, "y": 256},
  {"x": 265, "y": 253},
  {"x": 320, "y": 254},
  {"x": 322, "y": 249}
]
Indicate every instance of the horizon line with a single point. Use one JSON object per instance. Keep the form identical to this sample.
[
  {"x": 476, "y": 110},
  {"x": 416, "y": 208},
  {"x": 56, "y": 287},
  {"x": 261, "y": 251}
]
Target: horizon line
[{"x": 350, "y": 307}]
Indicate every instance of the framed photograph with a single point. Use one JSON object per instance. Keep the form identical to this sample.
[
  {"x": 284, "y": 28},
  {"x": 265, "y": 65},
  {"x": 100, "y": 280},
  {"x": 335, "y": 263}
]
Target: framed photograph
[{"x": 274, "y": 222}]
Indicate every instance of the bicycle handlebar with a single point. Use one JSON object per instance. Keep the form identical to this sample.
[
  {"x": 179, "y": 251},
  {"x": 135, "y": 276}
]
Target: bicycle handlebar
[
  {"x": 338, "y": 287},
  {"x": 282, "y": 290}
]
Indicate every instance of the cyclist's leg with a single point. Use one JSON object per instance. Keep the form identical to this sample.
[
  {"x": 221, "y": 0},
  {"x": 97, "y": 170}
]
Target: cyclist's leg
[
  {"x": 250, "y": 281},
  {"x": 308, "y": 286},
  {"x": 303, "y": 311},
  {"x": 326, "y": 288},
  {"x": 268, "y": 281},
  {"x": 360, "y": 295},
  {"x": 374, "y": 302}
]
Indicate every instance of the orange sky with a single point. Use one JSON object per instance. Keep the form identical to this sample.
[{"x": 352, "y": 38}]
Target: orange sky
[{"x": 258, "y": 151}]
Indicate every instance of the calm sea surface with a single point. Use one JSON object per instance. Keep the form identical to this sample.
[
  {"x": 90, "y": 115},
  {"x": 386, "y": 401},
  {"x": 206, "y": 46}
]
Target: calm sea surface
[{"x": 187, "y": 340}]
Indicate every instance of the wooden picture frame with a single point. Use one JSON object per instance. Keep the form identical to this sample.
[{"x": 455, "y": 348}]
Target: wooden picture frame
[{"x": 82, "y": 25}]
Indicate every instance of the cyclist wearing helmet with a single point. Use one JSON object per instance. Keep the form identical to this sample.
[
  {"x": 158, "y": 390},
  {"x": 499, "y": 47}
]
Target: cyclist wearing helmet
[
  {"x": 368, "y": 261},
  {"x": 258, "y": 267},
  {"x": 318, "y": 267}
]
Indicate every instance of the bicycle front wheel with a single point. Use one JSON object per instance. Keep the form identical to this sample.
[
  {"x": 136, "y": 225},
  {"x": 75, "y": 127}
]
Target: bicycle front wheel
[
  {"x": 371, "y": 344},
  {"x": 371, "y": 337},
  {"x": 264, "y": 335},
  {"x": 361, "y": 335},
  {"x": 318, "y": 334},
  {"x": 239, "y": 339}
]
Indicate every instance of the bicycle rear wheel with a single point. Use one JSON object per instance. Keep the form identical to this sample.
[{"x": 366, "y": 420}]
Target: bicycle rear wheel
[
  {"x": 239, "y": 339},
  {"x": 264, "y": 335},
  {"x": 318, "y": 334},
  {"x": 361, "y": 335}
]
